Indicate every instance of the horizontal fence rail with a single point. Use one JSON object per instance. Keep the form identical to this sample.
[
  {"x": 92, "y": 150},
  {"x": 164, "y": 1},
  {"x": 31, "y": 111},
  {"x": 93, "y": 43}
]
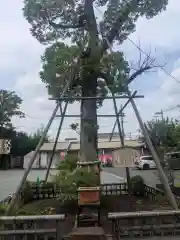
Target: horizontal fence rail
[
  {"x": 114, "y": 189},
  {"x": 152, "y": 193},
  {"x": 31, "y": 227},
  {"x": 145, "y": 223},
  {"x": 106, "y": 189}
]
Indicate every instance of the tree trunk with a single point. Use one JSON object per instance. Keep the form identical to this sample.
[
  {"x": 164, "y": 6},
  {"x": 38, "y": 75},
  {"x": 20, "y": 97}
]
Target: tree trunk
[{"x": 88, "y": 133}]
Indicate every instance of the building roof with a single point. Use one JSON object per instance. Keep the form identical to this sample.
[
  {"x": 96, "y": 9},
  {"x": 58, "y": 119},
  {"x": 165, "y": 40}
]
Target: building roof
[
  {"x": 61, "y": 146},
  {"x": 107, "y": 135},
  {"x": 29, "y": 154}
]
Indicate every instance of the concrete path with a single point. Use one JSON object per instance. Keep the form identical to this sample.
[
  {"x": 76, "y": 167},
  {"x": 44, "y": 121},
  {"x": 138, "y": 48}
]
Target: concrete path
[
  {"x": 150, "y": 176},
  {"x": 10, "y": 179}
]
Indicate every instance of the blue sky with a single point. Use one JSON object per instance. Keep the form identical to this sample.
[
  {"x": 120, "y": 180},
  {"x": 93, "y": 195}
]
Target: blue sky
[{"x": 20, "y": 65}]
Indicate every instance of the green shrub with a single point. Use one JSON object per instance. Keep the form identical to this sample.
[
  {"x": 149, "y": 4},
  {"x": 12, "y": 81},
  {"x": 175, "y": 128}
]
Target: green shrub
[
  {"x": 27, "y": 193},
  {"x": 69, "y": 182},
  {"x": 137, "y": 185},
  {"x": 69, "y": 163},
  {"x": 3, "y": 208}
]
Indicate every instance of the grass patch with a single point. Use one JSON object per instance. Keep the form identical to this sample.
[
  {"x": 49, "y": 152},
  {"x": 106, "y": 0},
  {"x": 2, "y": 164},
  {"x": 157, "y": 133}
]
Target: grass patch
[{"x": 40, "y": 207}]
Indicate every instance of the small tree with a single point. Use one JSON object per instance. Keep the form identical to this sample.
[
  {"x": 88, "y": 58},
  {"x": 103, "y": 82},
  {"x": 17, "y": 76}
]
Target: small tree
[{"x": 9, "y": 107}]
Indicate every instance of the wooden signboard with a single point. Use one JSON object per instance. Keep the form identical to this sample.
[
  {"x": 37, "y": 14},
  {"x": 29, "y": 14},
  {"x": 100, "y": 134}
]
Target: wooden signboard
[
  {"x": 88, "y": 195},
  {"x": 5, "y": 146}
]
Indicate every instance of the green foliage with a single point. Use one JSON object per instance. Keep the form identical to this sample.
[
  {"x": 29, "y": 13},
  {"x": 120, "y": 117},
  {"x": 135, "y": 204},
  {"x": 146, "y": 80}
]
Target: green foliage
[
  {"x": 95, "y": 68},
  {"x": 137, "y": 185},
  {"x": 22, "y": 143},
  {"x": 56, "y": 63},
  {"x": 68, "y": 14},
  {"x": 9, "y": 107},
  {"x": 70, "y": 181},
  {"x": 3, "y": 208},
  {"x": 51, "y": 20},
  {"x": 57, "y": 60},
  {"x": 28, "y": 192},
  {"x": 165, "y": 134},
  {"x": 176, "y": 136},
  {"x": 69, "y": 163}
]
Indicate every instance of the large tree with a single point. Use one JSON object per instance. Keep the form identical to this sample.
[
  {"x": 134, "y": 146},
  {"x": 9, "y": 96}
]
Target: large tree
[
  {"x": 52, "y": 20},
  {"x": 9, "y": 107}
]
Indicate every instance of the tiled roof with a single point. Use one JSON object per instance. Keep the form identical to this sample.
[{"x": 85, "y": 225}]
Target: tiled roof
[{"x": 101, "y": 144}]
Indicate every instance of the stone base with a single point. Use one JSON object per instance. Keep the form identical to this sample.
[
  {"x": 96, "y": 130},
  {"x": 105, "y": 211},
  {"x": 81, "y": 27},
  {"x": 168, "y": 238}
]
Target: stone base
[{"x": 88, "y": 233}]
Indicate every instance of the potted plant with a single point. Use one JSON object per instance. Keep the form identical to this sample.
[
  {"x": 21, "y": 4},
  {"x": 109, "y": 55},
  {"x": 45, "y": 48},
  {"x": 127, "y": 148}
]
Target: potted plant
[{"x": 88, "y": 195}]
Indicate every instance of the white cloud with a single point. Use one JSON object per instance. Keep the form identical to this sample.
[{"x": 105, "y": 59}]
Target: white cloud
[{"x": 20, "y": 63}]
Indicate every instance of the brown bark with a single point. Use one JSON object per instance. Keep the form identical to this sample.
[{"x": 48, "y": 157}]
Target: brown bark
[{"x": 88, "y": 133}]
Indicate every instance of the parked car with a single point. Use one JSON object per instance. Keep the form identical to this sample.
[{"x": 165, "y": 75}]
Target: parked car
[{"x": 145, "y": 162}]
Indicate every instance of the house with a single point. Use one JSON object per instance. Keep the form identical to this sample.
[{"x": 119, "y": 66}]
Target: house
[
  {"x": 126, "y": 156},
  {"x": 27, "y": 159},
  {"x": 105, "y": 150}
]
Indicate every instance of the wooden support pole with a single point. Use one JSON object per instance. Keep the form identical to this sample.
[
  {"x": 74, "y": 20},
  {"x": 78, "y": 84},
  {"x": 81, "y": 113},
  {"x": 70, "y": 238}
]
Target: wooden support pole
[
  {"x": 122, "y": 143},
  {"x": 120, "y": 111},
  {"x": 162, "y": 175},
  {"x": 56, "y": 140},
  {"x": 22, "y": 182},
  {"x": 66, "y": 98}
]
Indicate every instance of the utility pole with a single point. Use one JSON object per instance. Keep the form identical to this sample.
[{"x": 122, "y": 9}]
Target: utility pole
[
  {"x": 122, "y": 115},
  {"x": 161, "y": 113}
]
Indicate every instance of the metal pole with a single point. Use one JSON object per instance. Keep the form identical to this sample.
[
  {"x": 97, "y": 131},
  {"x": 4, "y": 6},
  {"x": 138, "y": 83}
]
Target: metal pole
[
  {"x": 21, "y": 184},
  {"x": 122, "y": 115},
  {"x": 56, "y": 140},
  {"x": 162, "y": 175},
  {"x": 120, "y": 111}
]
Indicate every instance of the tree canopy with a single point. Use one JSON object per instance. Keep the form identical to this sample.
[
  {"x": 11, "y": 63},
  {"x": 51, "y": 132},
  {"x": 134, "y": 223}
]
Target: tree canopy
[
  {"x": 22, "y": 143},
  {"x": 9, "y": 107},
  {"x": 165, "y": 133},
  {"x": 88, "y": 60},
  {"x": 51, "y": 19},
  {"x": 57, "y": 61}
]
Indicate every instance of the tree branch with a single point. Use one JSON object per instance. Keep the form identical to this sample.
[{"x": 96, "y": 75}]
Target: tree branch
[
  {"x": 137, "y": 73},
  {"x": 118, "y": 24},
  {"x": 58, "y": 25}
]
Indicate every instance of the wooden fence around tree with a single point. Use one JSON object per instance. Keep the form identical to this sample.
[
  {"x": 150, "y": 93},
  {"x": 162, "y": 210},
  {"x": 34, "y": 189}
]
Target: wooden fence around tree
[
  {"x": 114, "y": 189},
  {"x": 124, "y": 224},
  {"x": 145, "y": 224},
  {"x": 31, "y": 227}
]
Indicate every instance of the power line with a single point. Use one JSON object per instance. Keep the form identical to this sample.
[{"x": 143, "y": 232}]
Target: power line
[
  {"x": 172, "y": 108},
  {"x": 140, "y": 49}
]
